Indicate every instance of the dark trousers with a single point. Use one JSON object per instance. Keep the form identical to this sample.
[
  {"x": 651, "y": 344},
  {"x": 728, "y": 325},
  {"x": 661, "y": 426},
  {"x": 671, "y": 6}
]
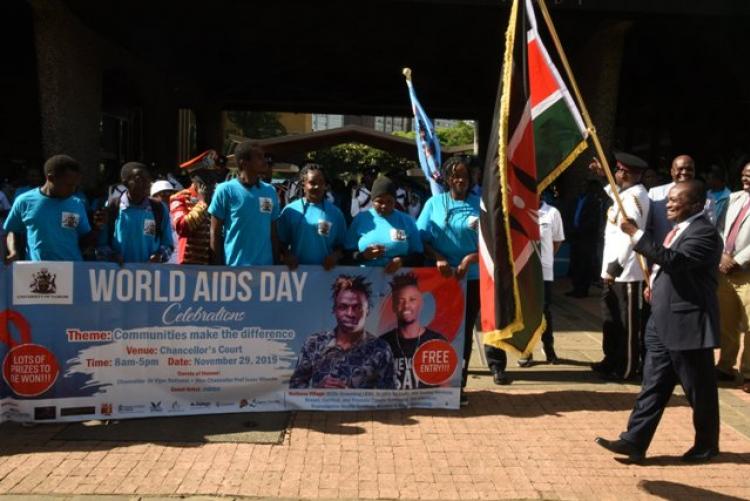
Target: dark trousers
[
  {"x": 582, "y": 259},
  {"x": 621, "y": 330},
  {"x": 662, "y": 370},
  {"x": 548, "y": 339},
  {"x": 470, "y": 320}
]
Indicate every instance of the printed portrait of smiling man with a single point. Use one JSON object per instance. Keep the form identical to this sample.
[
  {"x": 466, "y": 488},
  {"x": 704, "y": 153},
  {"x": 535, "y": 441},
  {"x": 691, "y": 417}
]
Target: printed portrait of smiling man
[{"x": 409, "y": 334}]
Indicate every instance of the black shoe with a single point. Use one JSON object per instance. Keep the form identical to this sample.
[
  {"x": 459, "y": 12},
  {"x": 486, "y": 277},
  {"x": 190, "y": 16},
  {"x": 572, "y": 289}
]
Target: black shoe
[
  {"x": 500, "y": 377},
  {"x": 613, "y": 376},
  {"x": 695, "y": 455},
  {"x": 527, "y": 361},
  {"x": 551, "y": 356},
  {"x": 464, "y": 399},
  {"x": 623, "y": 448},
  {"x": 600, "y": 367},
  {"x": 723, "y": 376}
]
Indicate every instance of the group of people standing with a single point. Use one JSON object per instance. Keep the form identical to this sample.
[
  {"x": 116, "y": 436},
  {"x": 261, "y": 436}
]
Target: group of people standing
[
  {"x": 674, "y": 289},
  {"x": 239, "y": 223}
]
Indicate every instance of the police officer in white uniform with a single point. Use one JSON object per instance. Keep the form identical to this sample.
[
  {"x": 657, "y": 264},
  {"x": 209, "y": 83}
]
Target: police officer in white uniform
[{"x": 622, "y": 274}]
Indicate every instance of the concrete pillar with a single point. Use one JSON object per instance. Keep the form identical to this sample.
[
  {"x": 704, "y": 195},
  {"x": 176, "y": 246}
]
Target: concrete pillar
[
  {"x": 209, "y": 130},
  {"x": 70, "y": 85},
  {"x": 596, "y": 67}
]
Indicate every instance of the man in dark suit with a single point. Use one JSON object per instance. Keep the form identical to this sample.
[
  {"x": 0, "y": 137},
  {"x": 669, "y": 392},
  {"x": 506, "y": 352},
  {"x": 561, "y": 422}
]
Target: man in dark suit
[
  {"x": 683, "y": 329},
  {"x": 583, "y": 234}
]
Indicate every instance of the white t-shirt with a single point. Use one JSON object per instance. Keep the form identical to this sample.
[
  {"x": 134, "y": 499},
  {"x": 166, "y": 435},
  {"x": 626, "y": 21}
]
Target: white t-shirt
[{"x": 551, "y": 230}]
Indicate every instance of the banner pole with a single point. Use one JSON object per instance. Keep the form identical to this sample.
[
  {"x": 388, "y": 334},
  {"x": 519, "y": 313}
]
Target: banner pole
[{"x": 587, "y": 119}]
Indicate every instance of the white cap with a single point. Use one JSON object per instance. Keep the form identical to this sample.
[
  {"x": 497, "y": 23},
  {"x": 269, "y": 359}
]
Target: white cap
[{"x": 161, "y": 185}]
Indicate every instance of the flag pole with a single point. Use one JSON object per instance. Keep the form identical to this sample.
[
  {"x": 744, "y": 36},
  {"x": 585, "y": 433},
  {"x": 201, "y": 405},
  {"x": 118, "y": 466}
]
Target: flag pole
[{"x": 587, "y": 119}]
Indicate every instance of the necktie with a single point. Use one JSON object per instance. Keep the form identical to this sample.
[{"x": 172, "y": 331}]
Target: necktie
[
  {"x": 735, "y": 229},
  {"x": 667, "y": 242},
  {"x": 670, "y": 236}
]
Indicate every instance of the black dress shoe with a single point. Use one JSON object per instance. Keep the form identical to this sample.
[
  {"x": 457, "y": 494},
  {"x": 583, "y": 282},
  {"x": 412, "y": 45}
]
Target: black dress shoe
[
  {"x": 702, "y": 455},
  {"x": 723, "y": 376},
  {"x": 612, "y": 376},
  {"x": 551, "y": 356},
  {"x": 528, "y": 361},
  {"x": 600, "y": 367},
  {"x": 623, "y": 448},
  {"x": 500, "y": 377}
]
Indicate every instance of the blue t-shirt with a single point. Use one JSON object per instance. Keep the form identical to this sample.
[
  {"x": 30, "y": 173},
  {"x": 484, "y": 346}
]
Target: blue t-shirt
[
  {"x": 247, "y": 213},
  {"x": 451, "y": 227},
  {"x": 313, "y": 230},
  {"x": 52, "y": 225},
  {"x": 135, "y": 235},
  {"x": 397, "y": 232}
]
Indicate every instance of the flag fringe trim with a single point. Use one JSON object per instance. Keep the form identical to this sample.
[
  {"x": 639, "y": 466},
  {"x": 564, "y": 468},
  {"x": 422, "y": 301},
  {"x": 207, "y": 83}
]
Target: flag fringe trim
[
  {"x": 557, "y": 171},
  {"x": 497, "y": 339},
  {"x": 510, "y": 36}
]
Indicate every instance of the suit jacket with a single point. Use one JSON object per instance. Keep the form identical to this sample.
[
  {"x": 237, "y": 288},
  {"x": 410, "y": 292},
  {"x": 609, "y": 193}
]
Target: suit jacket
[
  {"x": 683, "y": 294},
  {"x": 741, "y": 252},
  {"x": 658, "y": 224},
  {"x": 589, "y": 220}
]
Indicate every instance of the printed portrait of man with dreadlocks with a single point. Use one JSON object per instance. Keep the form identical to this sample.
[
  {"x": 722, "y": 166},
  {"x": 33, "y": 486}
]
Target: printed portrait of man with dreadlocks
[{"x": 346, "y": 356}]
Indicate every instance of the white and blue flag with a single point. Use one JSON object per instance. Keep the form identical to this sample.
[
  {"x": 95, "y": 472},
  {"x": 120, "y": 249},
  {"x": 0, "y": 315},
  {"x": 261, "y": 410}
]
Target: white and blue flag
[{"x": 428, "y": 143}]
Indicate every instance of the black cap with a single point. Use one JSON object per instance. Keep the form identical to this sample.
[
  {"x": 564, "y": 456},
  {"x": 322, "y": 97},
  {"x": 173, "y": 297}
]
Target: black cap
[
  {"x": 627, "y": 162},
  {"x": 382, "y": 186}
]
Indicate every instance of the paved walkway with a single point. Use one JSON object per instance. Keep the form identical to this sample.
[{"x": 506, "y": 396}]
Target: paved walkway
[{"x": 530, "y": 440}]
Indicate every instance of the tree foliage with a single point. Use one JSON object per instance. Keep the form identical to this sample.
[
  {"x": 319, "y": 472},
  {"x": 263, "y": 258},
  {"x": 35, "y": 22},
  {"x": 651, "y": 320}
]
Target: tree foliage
[
  {"x": 462, "y": 133},
  {"x": 355, "y": 157},
  {"x": 257, "y": 124}
]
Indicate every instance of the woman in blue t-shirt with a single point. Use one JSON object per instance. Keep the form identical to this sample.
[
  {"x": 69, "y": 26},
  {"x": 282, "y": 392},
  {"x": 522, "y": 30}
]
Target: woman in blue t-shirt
[
  {"x": 449, "y": 227},
  {"x": 311, "y": 229},
  {"x": 383, "y": 235}
]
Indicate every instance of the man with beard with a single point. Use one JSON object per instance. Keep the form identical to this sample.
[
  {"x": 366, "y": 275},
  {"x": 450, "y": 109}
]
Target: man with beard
[
  {"x": 347, "y": 356},
  {"x": 410, "y": 334},
  {"x": 189, "y": 208}
]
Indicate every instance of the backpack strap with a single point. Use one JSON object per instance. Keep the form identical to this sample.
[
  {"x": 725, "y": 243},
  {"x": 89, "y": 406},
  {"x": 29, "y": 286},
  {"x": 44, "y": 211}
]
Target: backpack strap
[
  {"x": 113, "y": 212},
  {"x": 158, "y": 209}
]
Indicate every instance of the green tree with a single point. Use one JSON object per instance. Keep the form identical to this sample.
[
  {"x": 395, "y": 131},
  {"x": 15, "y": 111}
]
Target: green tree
[
  {"x": 257, "y": 124},
  {"x": 462, "y": 133},
  {"x": 355, "y": 157}
]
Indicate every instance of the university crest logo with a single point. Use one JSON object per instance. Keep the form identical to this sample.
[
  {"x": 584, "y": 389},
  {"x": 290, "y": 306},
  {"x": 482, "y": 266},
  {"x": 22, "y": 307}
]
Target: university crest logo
[{"x": 43, "y": 282}]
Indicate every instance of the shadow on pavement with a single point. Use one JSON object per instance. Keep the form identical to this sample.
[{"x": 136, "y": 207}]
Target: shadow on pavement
[
  {"x": 676, "y": 491},
  {"x": 481, "y": 403},
  {"x": 543, "y": 372},
  {"x": 723, "y": 457},
  {"x": 178, "y": 431}
]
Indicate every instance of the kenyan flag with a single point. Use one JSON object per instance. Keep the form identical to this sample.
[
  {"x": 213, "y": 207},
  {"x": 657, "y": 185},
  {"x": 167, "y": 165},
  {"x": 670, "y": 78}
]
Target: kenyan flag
[{"x": 537, "y": 134}]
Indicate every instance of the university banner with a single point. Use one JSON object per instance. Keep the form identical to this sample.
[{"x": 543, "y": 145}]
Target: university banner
[
  {"x": 537, "y": 133},
  {"x": 85, "y": 341}
]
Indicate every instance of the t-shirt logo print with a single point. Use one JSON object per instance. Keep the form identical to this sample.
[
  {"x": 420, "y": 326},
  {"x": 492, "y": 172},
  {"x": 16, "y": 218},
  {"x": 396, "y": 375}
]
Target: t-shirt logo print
[
  {"x": 266, "y": 205},
  {"x": 398, "y": 235},
  {"x": 149, "y": 227},
  {"x": 43, "y": 283},
  {"x": 70, "y": 220},
  {"x": 324, "y": 228}
]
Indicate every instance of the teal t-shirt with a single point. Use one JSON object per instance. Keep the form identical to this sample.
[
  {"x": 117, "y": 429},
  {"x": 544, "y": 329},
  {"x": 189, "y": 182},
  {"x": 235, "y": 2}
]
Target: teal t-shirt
[
  {"x": 312, "y": 230},
  {"x": 52, "y": 225},
  {"x": 247, "y": 213},
  {"x": 397, "y": 232},
  {"x": 135, "y": 237},
  {"x": 451, "y": 227}
]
